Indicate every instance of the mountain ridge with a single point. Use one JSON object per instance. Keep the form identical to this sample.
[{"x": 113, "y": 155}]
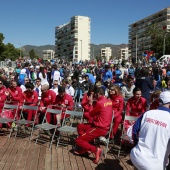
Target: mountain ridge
[{"x": 95, "y": 49}]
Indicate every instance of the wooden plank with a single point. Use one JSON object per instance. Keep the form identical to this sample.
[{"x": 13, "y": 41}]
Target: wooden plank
[
  {"x": 60, "y": 158},
  {"x": 48, "y": 159},
  {"x": 66, "y": 158},
  {"x": 73, "y": 161},
  {"x": 54, "y": 158},
  {"x": 41, "y": 161},
  {"x": 35, "y": 156}
]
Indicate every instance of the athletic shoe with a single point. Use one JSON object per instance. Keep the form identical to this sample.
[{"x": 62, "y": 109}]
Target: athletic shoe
[{"x": 98, "y": 154}]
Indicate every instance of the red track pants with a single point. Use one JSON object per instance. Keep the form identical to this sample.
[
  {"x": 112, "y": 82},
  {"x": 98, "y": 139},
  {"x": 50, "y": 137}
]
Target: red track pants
[{"x": 87, "y": 133}]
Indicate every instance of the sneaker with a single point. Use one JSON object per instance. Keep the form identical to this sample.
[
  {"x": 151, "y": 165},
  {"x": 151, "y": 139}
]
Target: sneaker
[{"x": 98, "y": 154}]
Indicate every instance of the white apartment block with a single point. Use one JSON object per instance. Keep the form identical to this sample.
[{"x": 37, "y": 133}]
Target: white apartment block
[
  {"x": 124, "y": 53},
  {"x": 72, "y": 40},
  {"x": 106, "y": 53},
  {"x": 48, "y": 54},
  {"x": 138, "y": 42}
]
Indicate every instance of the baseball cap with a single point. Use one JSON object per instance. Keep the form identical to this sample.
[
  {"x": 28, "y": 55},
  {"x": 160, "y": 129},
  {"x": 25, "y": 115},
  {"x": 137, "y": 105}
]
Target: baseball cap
[{"x": 165, "y": 97}]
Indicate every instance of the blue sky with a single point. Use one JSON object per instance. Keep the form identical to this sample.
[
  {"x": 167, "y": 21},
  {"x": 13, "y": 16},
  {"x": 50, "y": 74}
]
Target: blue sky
[{"x": 32, "y": 22}]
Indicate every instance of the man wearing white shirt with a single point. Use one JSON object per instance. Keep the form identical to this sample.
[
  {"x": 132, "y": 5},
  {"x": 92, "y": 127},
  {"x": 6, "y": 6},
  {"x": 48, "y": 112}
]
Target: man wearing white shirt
[
  {"x": 151, "y": 135},
  {"x": 69, "y": 89},
  {"x": 38, "y": 87}
]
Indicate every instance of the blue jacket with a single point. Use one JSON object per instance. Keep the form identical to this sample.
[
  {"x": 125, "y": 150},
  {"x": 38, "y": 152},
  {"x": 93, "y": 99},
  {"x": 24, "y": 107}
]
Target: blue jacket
[{"x": 107, "y": 75}]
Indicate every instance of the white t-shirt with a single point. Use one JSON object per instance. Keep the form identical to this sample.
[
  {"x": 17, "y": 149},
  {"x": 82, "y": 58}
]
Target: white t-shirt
[{"x": 43, "y": 80}]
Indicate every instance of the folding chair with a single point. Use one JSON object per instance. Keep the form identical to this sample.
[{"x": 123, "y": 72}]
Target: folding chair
[
  {"x": 76, "y": 113},
  {"x": 45, "y": 126},
  {"x": 124, "y": 137},
  {"x": 4, "y": 119},
  {"x": 107, "y": 137},
  {"x": 23, "y": 122}
]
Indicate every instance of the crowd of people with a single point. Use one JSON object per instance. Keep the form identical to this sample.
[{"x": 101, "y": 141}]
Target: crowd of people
[{"x": 101, "y": 89}]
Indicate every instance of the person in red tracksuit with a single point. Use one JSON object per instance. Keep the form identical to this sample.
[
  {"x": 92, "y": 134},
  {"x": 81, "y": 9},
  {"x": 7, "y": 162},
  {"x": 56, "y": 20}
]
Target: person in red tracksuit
[
  {"x": 48, "y": 97},
  {"x": 14, "y": 94},
  {"x": 118, "y": 103},
  {"x": 2, "y": 95},
  {"x": 155, "y": 100},
  {"x": 64, "y": 100},
  {"x": 30, "y": 97},
  {"x": 135, "y": 105},
  {"x": 102, "y": 111},
  {"x": 87, "y": 98}
]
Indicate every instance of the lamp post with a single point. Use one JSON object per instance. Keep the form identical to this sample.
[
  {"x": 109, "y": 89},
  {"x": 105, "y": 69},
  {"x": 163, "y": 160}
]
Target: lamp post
[
  {"x": 20, "y": 48},
  {"x": 164, "y": 45},
  {"x": 81, "y": 50},
  {"x": 136, "y": 48}
]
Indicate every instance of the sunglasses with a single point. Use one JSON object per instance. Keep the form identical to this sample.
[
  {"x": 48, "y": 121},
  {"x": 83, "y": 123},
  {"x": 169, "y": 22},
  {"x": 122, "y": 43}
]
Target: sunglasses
[
  {"x": 0, "y": 83},
  {"x": 37, "y": 81},
  {"x": 55, "y": 84}
]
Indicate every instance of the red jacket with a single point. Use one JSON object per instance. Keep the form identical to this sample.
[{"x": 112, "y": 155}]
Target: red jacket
[
  {"x": 134, "y": 108},
  {"x": 103, "y": 111},
  {"x": 85, "y": 103},
  {"x": 48, "y": 98},
  {"x": 15, "y": 94},
  {"x": 117, "y": 102},
  {"x": 2, "y": 94},
  {"x": 31, "y": 97},
  {"x": 66, "y": 100}
]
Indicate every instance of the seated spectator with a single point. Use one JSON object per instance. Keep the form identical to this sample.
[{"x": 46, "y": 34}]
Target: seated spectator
[
  {"x": 64, "y": 100},
  {"x": 87, "y": 99},
  {"x": 86, "y": 83},
  {"x": 2, "y": 95},
  {"x": 26, "y": 80},
  {"x": 102, "y": 111},
  {"x": 30, "y": 97},
  {"x": 127, "y": 89},
  {"x": 38, "y": 87},
  {"x": 135, "y": 106},
  {"x": 117, "y": 103},
  {"x": 55, "y": 86},
  {"x": 48, "y": 97},
  {"x": 69, "y": 89}
]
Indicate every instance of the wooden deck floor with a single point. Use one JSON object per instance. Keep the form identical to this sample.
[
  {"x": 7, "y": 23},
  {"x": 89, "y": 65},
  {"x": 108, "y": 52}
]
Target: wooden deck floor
[{"x": 25, "y": 155}]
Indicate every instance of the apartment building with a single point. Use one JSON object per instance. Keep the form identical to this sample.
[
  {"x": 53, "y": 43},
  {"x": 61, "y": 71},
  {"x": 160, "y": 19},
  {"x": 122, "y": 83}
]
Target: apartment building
[
  {"x": 48, "y": 54},
  {"x": 138, "y": 42},
  {"x": 72, "y": 40},
  {"x": 106, "y": 53},
  {"x": 124, "y": 53}
]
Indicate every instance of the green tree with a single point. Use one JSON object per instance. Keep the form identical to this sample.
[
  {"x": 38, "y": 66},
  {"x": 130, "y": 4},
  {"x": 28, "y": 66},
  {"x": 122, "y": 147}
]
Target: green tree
[
  {"x": 10, "y": 52},
  {"x": 158, "y": 38},
  {"x": 32, "y": 54},
  {"x": 1, "y": 43}
]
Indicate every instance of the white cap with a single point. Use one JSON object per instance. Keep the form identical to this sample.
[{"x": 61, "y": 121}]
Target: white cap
[{"x": 165, "y": 97}]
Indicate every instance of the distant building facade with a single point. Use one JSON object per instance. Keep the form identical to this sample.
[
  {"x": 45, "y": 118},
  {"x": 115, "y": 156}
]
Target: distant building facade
[
  {"x": 72, "y": 40},
  {"x": 48, "y": 54},
  {"x": 106, "y": 53},
  {"x": 138, "y": 42},
  {"x": 124, "y": 53}
]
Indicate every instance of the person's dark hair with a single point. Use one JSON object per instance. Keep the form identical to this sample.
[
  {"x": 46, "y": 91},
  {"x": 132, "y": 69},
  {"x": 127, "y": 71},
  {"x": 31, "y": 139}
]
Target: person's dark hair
[
  {"x": 38, "y": 79},
  {"x": 42, "y": 72},
  {"x": 26, "y": 64},
  {"x": 99, "y": 90},
  {"x": 91, "y": 89},
  {"x": 61, "y": 89},
  {"x": 136, "y": 89},
  {"x": 29, "y": 85}
]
